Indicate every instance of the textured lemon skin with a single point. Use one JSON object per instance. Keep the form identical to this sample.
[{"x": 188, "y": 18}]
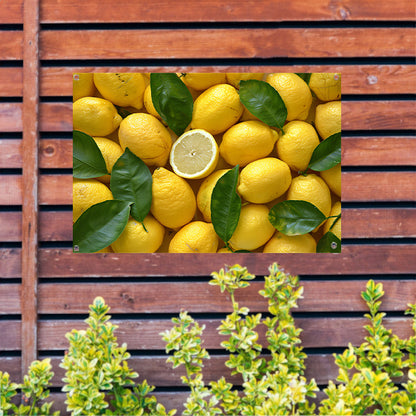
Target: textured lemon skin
[
  {"x": 313, "y": 189},
  {"x": 95, "y": 116},
  {"x": 328, "y": 119},
  {"x": 295, "y": 94},
  {"x": 296, "y": 145},
  {"x": 264, "y": 180},
  {"x": 235, "y": 78},
  {"x": 190, "y": 144},
  {"x": 111, "y": 151},
  {"x": 195, "y": 237},
  {"x": 123, "y": 89},
  {"x": 326, "y": 86},
  {"x": 173, "y": 201},
  {"x": 247, "y": 141},
  {"x": 203, "y": 81},
  {"x": 203, "y": 197},
  {"x": 83, "y": 86},
  {"x": 332, "y": 177},
  {"x": 146, "y": 137},
  {"x": 281, "y": 243},
  {"x": 148, "y": 103},
  {"x": 253, "y": 229},
  {"x": 87, "y": 192},
  {"x": 135, "y": 239},
  {"x": 217, "y": 109},
  {"x": 336, "y": 229}
]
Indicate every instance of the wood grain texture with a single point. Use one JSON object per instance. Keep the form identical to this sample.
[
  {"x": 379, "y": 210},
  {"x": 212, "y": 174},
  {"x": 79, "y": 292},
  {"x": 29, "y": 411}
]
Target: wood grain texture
[
  {"x": 356, "y": 151},
  {"x": 145, "y": 334},
  {"x": 13, "y": 340},
  {"x": 11, "y": 80},
  {"x": 199, "y": 297},
  {"x": 356, "y": 79},
  {"x": 203, "y": 11},
  {"x": 11, "y": 45},
  {"x": 10, "y": 299},
  {"x": 229, "y": 43}
]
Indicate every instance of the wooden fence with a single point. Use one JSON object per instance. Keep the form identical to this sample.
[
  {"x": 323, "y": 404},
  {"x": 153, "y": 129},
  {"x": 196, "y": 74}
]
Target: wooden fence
[{"x": 45, "y": 289}]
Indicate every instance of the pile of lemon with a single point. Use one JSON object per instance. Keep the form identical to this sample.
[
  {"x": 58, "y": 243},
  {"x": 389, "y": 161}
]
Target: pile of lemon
[{"x": 222, "y": 134}]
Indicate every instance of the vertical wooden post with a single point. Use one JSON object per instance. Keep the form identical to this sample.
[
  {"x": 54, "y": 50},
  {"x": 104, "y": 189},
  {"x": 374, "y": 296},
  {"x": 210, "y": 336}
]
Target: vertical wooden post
[{"x": 30, "y": 181}]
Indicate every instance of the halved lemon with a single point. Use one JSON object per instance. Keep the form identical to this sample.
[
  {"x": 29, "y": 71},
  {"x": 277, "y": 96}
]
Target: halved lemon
[{"x": 194, "y": 155}]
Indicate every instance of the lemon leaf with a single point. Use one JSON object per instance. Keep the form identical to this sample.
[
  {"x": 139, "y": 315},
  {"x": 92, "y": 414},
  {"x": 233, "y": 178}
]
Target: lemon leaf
[
  {"x": 305, "y": 76},
  {"x": 329, "y": 243},
  {"x": 295, "y": 217},
  {"x": 88, "y": 162},
  {"x": 131, "y": 181},
  {"x": 226, "y": 205},
  {"x": 327, "y": 154},
  {"x": 172, "y": 100},
  {"x": 100, "y": 225},
  {"x": 264, "y": 102}
]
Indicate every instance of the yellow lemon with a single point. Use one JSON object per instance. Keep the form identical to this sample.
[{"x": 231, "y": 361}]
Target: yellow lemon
[
  {"x": 146, "y": 137},
  {"x": 111, "y": 151},
  {"x": 194, "y": 154},
  {"x": 296, "y": 145},
  {"x": 217, "y": 109},
  {"x": 248, "y": 116},
  {"x": 82, "y": 86},
  {"x": 87, "y": 192},
  {"x": 95, "y": 116},
  {"x": 173, "y": 201},
  {"x": 203, "y": 197},
  {"x": 326, "y": 86},
  {"x": 202, "y": 81},
  {"x": 332, "y": 177},
  {"x": 281, "y": 243},
  {"x": 107, "y": 249},
  {"x": 328, "y": 118},
  {"x": 295, "y": 94},
  {"x": 313, "y": 189},
  {"x": 253, "y": 229},
  {"x": 235, "y": 78},
  {"x": 195, "y": 237},
  {"x": 148, "y": 103},
  {"x": 224, "y": 250},
  {"x": 264, "y": 180},
  {"x": 336, "y": 229},
  {"x": 247, "y": 141},
  {"x": 136, "y": 239},
  {"x": 123, "y": 89}
]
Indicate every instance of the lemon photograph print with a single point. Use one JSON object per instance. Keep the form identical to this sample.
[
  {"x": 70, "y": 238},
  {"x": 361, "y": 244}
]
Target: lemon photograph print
[{"x": 207, "y": 162}]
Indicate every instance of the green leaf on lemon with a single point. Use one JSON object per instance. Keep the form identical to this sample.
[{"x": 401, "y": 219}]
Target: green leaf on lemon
[
  {"x": 100, "y": 225},
  {"x": 131, "y": 181},
  {"x": 295, "y": 217},
  {"x": 305, "y": 76},
  {"x": 172, "y": 100},
  {"x": 226, "y": 205},
  {"x": 88, "y": 162},
  {"x": 327, "y": 154},
  {"x": 329, "y": 243},
  {"x": 264, "y": 102}
]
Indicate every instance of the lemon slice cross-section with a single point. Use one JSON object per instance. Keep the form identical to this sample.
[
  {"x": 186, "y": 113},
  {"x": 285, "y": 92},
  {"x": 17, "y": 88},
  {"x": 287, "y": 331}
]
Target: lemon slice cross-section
[{"x": 194, "y": 155}]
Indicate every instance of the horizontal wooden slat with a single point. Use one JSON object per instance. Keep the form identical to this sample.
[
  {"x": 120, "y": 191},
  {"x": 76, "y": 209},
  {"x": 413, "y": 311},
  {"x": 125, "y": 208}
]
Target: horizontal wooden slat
[
  {"x": 11, "y": 342},
  {"x": 356, "y": 151},
  {"x": 145, "y": 334},
  {"x": 10, "y": 299},
  {"x": 202, "y": 297},
  {"x": 356, "y": 79},
  {"x": 249, "y": 11},
  {"x": 378, "y": 151},
  {"x": 384, "y": 115},
  {"x": 229, "y": 43},
  {"x": 11, "y": 80},
  {"x": 356, "y": 223},
  {"x": 11, "y": 45},
  {"x": 11, "y": 11}
]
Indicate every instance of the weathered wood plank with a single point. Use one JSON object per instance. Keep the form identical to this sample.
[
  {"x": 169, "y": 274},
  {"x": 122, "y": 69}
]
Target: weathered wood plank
[
  {"x": 10, "y": 299},
  {"x": 145, "y": 334},
  {"x": 356, "y": 79},
  {"x": 229, "y": 43},
  {"x": 199, "y": 297},
  {"x": 11, "y": 45},
  {"x": 12, "y": 338},
  {"x": 356, "y": 186},
  {"x": 11, "y": 80},
  {"x": 11, "y": 117},
  {"x": 202, "y": 11},
  {"x": 11, "y": 11}
]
